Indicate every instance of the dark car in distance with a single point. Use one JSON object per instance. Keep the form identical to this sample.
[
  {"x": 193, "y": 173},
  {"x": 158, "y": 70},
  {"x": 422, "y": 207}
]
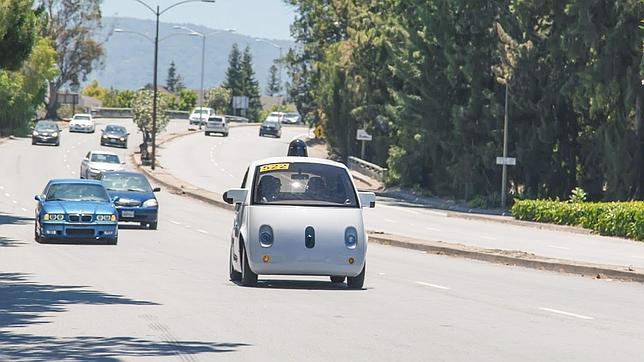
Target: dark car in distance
[
  {"x": 114, "y": 135},
  {"x": 135, "y": 200},
  {"x": 269, "y": 127},
  {"x": 46, "y": 132}
]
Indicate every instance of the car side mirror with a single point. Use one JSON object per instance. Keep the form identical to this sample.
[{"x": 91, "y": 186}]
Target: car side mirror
[
  {"x": 235, "y": 196},
  {"x": 37, "y": 198},
  {"x": 122, "y": 162},
  {"x": 156, "y": 189},
  {"x": 367, "y": 199},
  {"x": 115, "y": 198}
]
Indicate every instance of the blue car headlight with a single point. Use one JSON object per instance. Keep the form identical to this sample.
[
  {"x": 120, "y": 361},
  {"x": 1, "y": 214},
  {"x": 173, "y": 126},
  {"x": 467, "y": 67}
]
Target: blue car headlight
[
  {"x": 151, "y": 203},
  {"x": 351, "y": 237},
  {"x": 266, "y": 236},
  {"x": 54, "y": 217},
  {"x": 106, "y": 217}
]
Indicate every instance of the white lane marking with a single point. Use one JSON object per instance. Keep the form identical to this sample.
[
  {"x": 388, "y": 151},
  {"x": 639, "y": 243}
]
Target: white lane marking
[
  {"x": 68, "y": 166},
  {"x": 432, "y": 229},
  {"x": 638, "y": 257},
  {"x": 381, "y": 273},
  {"x": 23, "y": 209},
  {"x": 390, "y": 220},
  {"x": 175, "y": 222},
  {"x": 14, "y": 201},
  {"x": 202, "y": 231},
  {"x": 487, "y": 237},
  {"x": 399, "y": 208},
  {"x": 187, "y": 226},
  {"x": 556, "y": 311},
  {"x": 1, "y": 187},
  {"x": 558, "y": 247},
  {"x": 73, "y": 172},
  {"x": 433, "y": 285},
  {"x": 7, "y": 194}
]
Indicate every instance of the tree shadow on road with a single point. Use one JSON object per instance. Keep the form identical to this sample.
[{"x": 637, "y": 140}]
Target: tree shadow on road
[
  {"x": 7, "y": 242},
  {"x": 8, "y": 219},
  {"x": 24, "y": 302}
]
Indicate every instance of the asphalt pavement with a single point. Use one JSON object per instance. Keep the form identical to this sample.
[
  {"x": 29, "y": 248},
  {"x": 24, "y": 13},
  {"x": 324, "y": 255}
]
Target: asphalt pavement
[{"x": 165, "y": 294}]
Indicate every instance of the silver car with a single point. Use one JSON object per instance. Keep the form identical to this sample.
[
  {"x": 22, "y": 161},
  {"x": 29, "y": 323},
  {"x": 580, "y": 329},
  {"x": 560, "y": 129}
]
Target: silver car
[
  {"x": 217, "y": 124},
  {"x": 97, "y": 162}
]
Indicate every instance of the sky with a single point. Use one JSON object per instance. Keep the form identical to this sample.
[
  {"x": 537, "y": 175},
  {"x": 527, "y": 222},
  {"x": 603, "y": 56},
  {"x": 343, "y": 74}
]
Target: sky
[{"x": 268, "y": 19}]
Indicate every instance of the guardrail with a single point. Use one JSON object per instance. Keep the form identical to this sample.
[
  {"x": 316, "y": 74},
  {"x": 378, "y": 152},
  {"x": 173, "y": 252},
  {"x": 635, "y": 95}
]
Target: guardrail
[
  {"x": 105, "y": 112},
  {"x": 367, "y": 168}
]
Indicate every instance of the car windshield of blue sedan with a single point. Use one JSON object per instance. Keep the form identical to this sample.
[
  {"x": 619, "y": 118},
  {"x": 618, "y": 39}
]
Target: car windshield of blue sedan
[
  {"x": 77, "y": 192},
  {"x": 122, "y": 182},
  {"x": 105, "y": 157},
  {"x": 303, "y": 184}
]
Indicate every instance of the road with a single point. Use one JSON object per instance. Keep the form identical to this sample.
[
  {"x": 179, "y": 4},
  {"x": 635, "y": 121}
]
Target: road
[
  {"x": 217, "y": 164},
  {"x": 165, "y": 295}
]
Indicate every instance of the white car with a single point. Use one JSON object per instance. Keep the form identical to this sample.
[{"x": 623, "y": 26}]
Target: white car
[
  {"x": 292, "y": 118},
  {"x": 199, "y": 116},
  {"x": 298, "y": 216},
  {"x": 217, "y": 124},
  {"x": 97, "y": 162},
  {"x": 82, "y": 122}
]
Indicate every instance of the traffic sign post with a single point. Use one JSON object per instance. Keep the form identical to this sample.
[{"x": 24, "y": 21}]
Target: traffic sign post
[{"x": 362, "y": 135}]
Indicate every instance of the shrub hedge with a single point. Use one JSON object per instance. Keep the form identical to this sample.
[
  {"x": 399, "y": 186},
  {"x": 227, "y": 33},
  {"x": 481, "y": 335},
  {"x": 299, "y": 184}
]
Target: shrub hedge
[{"x": 625, "y": 219}]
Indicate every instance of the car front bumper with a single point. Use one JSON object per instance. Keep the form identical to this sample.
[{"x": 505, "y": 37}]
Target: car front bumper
[
  {"x": 89, "y": 231},
  {"x": 138, "y": 214},
  {"x": 271, "y": 131},
  {"x": 81, "y": 128},
  {"x": 45, "y": 139},
  {"x": 113, "y": 142}
]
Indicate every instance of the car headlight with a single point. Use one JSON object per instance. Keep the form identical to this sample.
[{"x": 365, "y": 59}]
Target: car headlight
[
  {"x": 122, "y": 139},
  {"x": 55, "y": 134},
  {"x": 54, "y": 217},
  {"x": 151, "y": 203},
  {"x": 266, "y": 236},
  {"x": 35, "y": 133},
  {"x": 94, "y": 170},
  {"x": 105, "y": 136},
  {"x": 351, "y": 237},
  {"x": 106, "y": 217}
]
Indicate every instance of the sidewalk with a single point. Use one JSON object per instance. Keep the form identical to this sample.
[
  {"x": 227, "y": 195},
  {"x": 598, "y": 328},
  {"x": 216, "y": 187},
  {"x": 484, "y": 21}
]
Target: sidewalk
[{"x": 502, "y": 251}]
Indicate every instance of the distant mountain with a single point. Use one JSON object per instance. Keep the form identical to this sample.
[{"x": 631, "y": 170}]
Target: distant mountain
[{"x": 130, "y": 57}]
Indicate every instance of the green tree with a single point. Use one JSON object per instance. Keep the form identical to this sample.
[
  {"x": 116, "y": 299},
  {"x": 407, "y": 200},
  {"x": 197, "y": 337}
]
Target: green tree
[
  {"x": 72, "y": 24},
  {"x": 219, "y": 99},
  {"x": 273, "y": 87},
  {"x": 234, "y": 78},
  {"x": 142, "y": 113},
  {"x": 174, "y": 81},
  {"x": 250, "y": 86},
  {"x": 18, "y": 31}
]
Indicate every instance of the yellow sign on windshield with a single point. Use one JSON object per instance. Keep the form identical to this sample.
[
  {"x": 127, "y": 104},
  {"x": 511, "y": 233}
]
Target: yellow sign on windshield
[{"x": 274, "y": 167}]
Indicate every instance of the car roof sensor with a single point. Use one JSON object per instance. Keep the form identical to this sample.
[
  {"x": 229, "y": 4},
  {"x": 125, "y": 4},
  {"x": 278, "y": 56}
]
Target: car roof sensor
[{"x": 297, "y": 148}]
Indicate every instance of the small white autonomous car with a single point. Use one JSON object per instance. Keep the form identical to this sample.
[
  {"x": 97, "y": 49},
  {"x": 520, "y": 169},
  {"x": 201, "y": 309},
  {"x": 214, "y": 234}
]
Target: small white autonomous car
[{"x": 298, "y": 216}]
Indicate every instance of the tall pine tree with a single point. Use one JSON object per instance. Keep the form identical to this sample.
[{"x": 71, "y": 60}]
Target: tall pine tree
[
  {"x": 273, "y": 87},
  {"x": 250, "y": 86},
  {"x": 233, "y": 75},
  {"x": 174, "y": 82}
]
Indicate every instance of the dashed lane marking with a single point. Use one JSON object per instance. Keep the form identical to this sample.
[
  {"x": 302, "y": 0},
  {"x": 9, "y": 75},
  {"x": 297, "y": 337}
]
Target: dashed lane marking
[
  {"x": 202, "y": 231},
  {"x": 1, "y": 187},
  {"x": 433, "y": 285},
  {"x": 569, "y": 314},
  {"x": 558, "y": 247},
  {"x": 390, "y": 220},
  {"x": 23, "y": 209},
  {"x": 175, "y": 222},
  {"x": 14, "y": 202},
  {"x": 7, "y": 194},
  {"x": 487, "y": 237},
  {"x": 432, "y": 229}
]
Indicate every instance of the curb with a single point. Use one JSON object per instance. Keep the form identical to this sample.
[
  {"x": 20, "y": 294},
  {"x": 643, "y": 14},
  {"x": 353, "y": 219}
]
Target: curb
[
  {"x": 512, "y": 221},
  {"x": 511, "y": 257}
]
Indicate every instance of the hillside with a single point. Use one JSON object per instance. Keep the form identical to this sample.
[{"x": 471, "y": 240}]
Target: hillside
[{"x": 129, "y": 57}]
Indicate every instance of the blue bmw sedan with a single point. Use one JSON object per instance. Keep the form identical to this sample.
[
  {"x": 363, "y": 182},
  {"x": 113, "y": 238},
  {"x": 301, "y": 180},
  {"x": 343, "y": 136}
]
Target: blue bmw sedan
[
  {"x": 73, "y": 209},
  {"x": 135, "y": 197}
]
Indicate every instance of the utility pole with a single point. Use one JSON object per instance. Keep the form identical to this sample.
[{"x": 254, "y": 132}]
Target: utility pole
[{"x": 504, "y": 175}]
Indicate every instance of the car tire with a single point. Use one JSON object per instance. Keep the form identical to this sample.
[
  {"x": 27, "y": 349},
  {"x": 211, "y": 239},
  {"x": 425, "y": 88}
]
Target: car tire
[
  {"x": 113, "y": 241},
  {"x": 37, "y": 238},
  {"x": 57, "y": 144},
  {"x": 337, "y": 279},
  {"x": 153, "y": 225},
  {"x": 33, "y": 142},
  {"x": 225, "y": 134},
  {"x": 235, "y": 276},
  {"x": 358, "y": 281},
  {"x": 248, "y": 277},
  {"x": 207, "y": 134},
  {"x": 261, "y": 134}
]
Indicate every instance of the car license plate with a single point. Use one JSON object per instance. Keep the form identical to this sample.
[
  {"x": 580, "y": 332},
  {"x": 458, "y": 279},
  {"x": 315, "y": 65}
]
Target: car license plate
[{"x": 128, "y": 213}]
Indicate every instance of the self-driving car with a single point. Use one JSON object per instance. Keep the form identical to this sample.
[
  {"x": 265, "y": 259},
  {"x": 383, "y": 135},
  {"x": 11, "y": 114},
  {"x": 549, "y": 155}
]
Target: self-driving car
[
  {"x": 298, "y": 216},
  {"x": 135, "y": 200},
  {"x": 73, "y": 209}
]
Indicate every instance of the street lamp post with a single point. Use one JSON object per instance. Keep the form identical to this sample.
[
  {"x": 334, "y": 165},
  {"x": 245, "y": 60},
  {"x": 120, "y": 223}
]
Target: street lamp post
[
  {"x": 158, "y": 12},
  {"x": 504, "y": 173},
  {"x": 203, "y": 58},
  {"x": 280, "y": 49}
]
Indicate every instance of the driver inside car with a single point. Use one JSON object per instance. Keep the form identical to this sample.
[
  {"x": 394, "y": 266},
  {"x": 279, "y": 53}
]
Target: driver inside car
[{"x": 268, "y": 188}]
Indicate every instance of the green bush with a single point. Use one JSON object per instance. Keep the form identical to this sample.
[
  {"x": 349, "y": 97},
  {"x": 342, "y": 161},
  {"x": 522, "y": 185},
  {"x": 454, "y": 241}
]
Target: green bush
[{"x": 625, "y": 219}]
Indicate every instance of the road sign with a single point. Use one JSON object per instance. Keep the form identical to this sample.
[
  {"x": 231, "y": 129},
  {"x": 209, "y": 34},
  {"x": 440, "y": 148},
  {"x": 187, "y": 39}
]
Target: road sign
[
  {"x": 240, "y": 102},
  {"x": 510, "y": 161},
  {"x": 318, "y": 132},
  {"x": 362, "y": 135}
]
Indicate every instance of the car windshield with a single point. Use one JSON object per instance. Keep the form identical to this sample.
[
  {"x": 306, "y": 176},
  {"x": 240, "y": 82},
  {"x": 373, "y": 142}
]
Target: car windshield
[
  {"x": 303, "y": 184},
  {"x": 292, "y": 115},
  {"x": 201, "y": 111},
  {"x": 271, "y": 123},
  {"x": 126, "y": 182},
  {"x": 81, "y": 118},
  {"x": 46, "y": 126},
  {"x": 115, "y": 129},
  {"x": 105, "y": 157},
  {"x": 77, "y": 192},
  {"x": 216, "y": 119}
]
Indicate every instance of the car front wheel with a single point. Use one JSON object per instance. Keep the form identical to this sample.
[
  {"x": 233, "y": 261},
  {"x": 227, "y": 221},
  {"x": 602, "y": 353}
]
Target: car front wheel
[
  {"x": 358, "y": 281},
  {"x": 235, "y": 276},
  {"x": 248, "y": 277},
  {"x": 337, "y": 279}
]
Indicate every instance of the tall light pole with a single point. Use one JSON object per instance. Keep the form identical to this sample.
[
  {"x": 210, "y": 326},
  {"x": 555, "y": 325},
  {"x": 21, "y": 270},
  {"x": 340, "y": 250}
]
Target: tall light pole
[
  {"x": 203, "y": 36},
  {"x": 504, "y": 174},
  {"x": 158, "y": 12},
  {"x": 274, "y": 46}
]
